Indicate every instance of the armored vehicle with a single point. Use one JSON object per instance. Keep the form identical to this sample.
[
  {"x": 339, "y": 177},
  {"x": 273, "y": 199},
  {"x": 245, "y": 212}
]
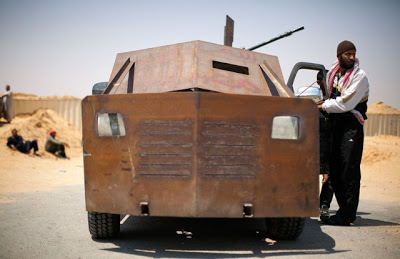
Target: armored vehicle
[{"x": 200, "y": 130}]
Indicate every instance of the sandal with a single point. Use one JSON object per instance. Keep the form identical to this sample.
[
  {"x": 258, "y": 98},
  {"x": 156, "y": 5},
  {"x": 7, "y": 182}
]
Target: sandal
[{"x": 324, "y": 211}]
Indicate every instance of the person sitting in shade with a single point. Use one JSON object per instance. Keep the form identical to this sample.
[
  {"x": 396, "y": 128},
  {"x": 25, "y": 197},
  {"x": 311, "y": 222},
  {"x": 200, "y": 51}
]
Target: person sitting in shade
[
  {"x": 16, "y": 142},
  {"x": 55, "y": 146}
]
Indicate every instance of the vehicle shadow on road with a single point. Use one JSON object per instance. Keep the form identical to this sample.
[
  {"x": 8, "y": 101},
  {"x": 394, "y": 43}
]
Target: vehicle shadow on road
[{"x": 215, "y": 238}]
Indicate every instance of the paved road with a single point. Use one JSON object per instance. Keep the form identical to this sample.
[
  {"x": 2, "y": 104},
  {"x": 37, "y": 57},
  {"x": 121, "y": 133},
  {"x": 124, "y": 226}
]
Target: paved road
[{"x": 54, "y": 225}]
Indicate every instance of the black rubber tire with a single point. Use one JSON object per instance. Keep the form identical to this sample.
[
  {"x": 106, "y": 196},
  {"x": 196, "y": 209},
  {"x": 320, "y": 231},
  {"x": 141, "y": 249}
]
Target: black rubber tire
[
  {"x": 284, "y": 228},
  {"x": 103, "y": 225}
]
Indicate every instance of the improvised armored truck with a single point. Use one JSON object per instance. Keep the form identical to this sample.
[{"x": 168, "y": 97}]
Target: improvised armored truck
[{"x": 200, "y": 130}]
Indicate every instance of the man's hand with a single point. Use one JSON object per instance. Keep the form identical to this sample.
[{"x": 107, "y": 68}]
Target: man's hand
[
  {"x": 13, "y": 147},
  {"x": 320, "y": 105},
  {"x": 325, "y": 178}
]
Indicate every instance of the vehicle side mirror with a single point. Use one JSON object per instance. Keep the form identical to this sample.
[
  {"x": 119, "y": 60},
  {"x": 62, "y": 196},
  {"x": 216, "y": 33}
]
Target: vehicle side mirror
[{"x": 99, "y": 88}]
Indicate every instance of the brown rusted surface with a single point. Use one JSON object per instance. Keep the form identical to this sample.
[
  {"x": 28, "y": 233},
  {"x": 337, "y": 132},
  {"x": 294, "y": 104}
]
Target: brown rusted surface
[
  {"x": 198, "y": 154},
  {"x": 197, "y": 64},
  {"x": 228, "y": 31}
]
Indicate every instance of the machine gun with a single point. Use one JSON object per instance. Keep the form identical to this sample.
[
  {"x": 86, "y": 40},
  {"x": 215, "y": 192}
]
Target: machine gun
[
  {"x": 286, "y": 34},
  {"x": 228, "y": 35}
]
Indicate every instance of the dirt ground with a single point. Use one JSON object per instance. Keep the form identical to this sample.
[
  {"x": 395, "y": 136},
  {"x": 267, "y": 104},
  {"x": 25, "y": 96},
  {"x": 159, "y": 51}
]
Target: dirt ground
[{"x": 23, "y": 173}]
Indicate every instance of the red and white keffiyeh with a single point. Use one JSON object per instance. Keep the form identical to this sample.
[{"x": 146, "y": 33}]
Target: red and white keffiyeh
[{"x": 347, "y": 80}]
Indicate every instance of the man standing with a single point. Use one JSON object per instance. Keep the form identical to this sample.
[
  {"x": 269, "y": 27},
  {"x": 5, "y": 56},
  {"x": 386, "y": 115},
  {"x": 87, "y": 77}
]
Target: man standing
[
  {"x": 16, "y": 142},
  {"x": 8, "y": 104},
  {"x": 348, "y": 89},
  {"x": 326, "y": 195},
  {"x": 55, "y": 146}
]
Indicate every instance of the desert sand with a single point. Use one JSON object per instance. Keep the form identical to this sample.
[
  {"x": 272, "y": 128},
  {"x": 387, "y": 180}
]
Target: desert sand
[
  {"x": 24, "y": 173},
  {"x": 21, "y": 173}
]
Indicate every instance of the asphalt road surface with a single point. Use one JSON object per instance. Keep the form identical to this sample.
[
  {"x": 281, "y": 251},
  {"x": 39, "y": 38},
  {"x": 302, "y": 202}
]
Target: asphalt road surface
[{"x": 54, "y": 225}]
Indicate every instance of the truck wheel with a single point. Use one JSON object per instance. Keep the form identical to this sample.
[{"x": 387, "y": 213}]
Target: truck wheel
[
  {"x": 284, "y": 228},
  {"x": 103, "y": 225}
]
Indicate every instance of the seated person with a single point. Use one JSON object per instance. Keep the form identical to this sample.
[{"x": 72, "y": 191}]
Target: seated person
[
  {"x": 55, "y": 146},
  {"x": 16, "y": 142}
]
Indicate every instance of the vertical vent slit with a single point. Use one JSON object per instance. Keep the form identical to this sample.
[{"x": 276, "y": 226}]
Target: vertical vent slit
[
  {"x": 130, "y": 79},
  {"x": 117, "y": 76},
  {"x": 271, "y": 85}
]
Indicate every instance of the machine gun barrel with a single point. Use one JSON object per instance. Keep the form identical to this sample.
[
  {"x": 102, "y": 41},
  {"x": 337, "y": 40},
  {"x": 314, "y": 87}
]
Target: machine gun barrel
[{"x": 276, "y": 38}]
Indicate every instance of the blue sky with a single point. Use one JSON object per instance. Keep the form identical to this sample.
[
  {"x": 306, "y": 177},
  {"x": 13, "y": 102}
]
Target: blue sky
[{"x": 53, "y": 47}]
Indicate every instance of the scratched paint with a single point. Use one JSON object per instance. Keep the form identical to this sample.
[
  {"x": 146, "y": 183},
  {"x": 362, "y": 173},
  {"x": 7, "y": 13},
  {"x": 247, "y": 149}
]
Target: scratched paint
[{"x": 188, "y": 65}]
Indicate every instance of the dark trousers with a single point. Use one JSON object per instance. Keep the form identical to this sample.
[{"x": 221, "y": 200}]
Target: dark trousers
[
  {"x": 326, "y": 195},
  {"x": 28, "y": 145},
  {"x": 31, "y": 144},
  {"x": 59, "y": 149},
  {"x": 347, "y": 146},
  {"x": 325, "y": 198}
]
